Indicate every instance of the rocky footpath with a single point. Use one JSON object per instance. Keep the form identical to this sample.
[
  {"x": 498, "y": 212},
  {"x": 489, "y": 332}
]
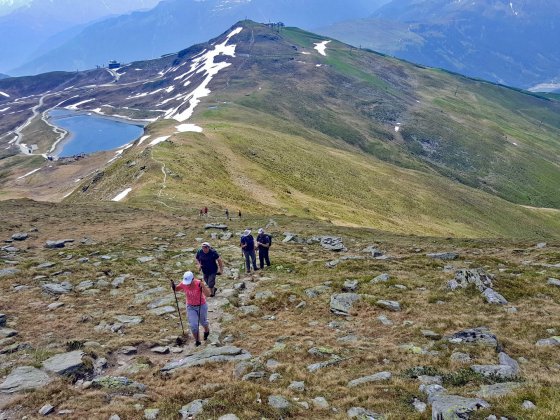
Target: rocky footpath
[{"x": 345, "y": 324}]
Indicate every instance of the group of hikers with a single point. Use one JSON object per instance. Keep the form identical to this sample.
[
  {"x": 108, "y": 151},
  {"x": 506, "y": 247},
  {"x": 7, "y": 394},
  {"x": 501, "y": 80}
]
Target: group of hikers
[
  {"x": 210, "y": 264},
  {"x": 204, "y": 213}
]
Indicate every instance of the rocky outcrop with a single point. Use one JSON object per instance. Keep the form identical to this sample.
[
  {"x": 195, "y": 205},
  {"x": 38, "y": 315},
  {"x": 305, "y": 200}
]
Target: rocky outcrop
[
  {"x": 465, "y": 277},
  {"x": 65, "y": 363},
  {"x": 480, "y": 335},
  {"x": 377, "y": 377},
  {"x": 24, "y": 378},
  {"x": 342, "y": 303},
  {"x": 209, "y": 355},
  {"x": 453, "y": 407}
]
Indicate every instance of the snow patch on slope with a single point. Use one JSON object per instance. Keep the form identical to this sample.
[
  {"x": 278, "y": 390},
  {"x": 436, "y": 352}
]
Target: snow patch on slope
[
  {"x": 321, "y": 47},
  {"x": 122, "y": 195},
  {"x": 159, "y": 140},
  {"x": 183, "y": 128},
  {"x": 206, "y": 65}
]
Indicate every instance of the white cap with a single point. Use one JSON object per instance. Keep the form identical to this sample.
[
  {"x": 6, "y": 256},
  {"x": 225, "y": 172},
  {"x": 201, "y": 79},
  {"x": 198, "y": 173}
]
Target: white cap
[
  {"x": 188, "y": 278},
  {"x": 247, "y": 232},
  {"x": 261, "y": 230}
]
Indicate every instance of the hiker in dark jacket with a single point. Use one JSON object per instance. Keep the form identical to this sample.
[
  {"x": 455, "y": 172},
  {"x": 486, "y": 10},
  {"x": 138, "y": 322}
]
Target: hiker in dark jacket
[
  {"x": 263, "y": 242},
  {"x": 247, "y": 245},
  {"x": 210, "y": 263}
]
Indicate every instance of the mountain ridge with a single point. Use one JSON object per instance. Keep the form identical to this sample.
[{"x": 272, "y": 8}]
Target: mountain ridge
[{"x": 382, "y": 118}]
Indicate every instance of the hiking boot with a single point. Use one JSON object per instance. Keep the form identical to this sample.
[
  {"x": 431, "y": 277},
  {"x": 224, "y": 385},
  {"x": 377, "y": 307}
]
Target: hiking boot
[
  {"x": 206, "y": 334},
  {"x": 214, "y": 290},
  {"x": 198, "y": 343}
]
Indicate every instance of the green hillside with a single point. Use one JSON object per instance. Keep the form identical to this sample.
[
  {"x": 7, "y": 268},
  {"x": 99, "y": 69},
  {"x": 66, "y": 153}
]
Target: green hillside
[{"x": 289, "y": 131}]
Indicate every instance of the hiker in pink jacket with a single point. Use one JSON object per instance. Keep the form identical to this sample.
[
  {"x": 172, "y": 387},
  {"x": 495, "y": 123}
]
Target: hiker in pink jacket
[{"x": 196, "y": 292}]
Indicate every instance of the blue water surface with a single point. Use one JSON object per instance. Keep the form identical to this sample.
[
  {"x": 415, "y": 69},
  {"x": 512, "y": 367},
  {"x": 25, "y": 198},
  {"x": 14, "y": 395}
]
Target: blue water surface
[{"x": 92, "y": 133}]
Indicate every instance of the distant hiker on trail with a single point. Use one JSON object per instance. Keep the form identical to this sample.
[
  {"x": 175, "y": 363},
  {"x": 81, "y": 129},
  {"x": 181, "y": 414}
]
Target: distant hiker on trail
[
  {"x": 240, "y": 214},
  {"x": 227, "y": 214},
  {"x": 196, "y": 293},
  {"x": 247, "y": 245},
  {"x": 263, "y": 242},
  {"x": 201, "y": 213},
  {"x": 210, "y": 263},
  {"x": 206, "y": 211}
]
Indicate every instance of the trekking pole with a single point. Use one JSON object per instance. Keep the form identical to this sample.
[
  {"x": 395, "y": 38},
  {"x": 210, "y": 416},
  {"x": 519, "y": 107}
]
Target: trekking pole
[
  {"x": 199, "y": 308},
  {"x": 179, "y": 311}
]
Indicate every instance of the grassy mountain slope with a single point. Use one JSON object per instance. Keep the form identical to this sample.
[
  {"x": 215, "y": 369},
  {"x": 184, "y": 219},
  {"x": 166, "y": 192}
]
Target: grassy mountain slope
[
  {"x": 353, "y": 137},
  {"x": 282, "y": 331}
]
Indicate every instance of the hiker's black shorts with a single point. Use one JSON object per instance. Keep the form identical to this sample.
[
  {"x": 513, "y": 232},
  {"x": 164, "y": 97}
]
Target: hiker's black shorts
[{"x": 210, "y": 280}]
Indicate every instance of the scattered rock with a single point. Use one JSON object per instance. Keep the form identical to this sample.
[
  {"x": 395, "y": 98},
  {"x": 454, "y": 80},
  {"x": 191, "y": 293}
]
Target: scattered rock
[
  {"x": 332, "y": 243},
  {"x": 264, "y": 295},
  {"x": 297, "y": 386},
  {"x": 45, "y": 265},
  {"x": 145, "y": 259},
  {"x": 389, "y": 304},
  {"x": 321, "y": 365},
  {"x": 58, "y": 243},
  {"x": 57, "y": 288},
  {"x": 361, "y": 413},
  {"x": 528, "y": 405},
  {"x": 381, "y": 376},
  {"x": 553, "y": 282},
  {"x": 162, "y": 311},
  {"x": 452, "y": 407},
  {"x": 499, "y": 371},
  {"x": 275, "y": 377},
  {"x": 249, "y": 309},
  {"x": 460, "y": 357},
  {"x": 7, "y": 332},
  {"x": 209, "y": 355},
  {"x": 117, "y": 383},
  {"x": 350, "y": 286},
  {"x": 342, "y": 303},
  {"x": 384, "y": 320},
  {"x": 479, "y": 335},
  {"x": 129, "y": 320},
  {"x": 160, "y": 350},
  {"x": 547, "y": 342},
  {"x": 373, "y": 251},
  {"x": 506, "y": 360},
  {"x": 465, "y": 277},
  {"x": 65, "y": 363},
  {"x": 278, "y": 402},
  {"x": 497, "y": 390},
  {"x": 419, "y": 405},
  {"x": 320, "y": 403},
  {"x": 253, "y": 376},
  {"x": 228, "y": 417},
  {"x": 2, "y": 320},
  {"x": 317, "y": 290},
  {"x": 151, "y": 413},
  {"x": 46, "y": 410},
  {"x": 20, "y": 236},
  {"x": 128, "y": 350},
  {"x": 118, "y": 281},
  {"x": 9, "y": 272},
  {"x": 85, "y": 285},
  {"x": 218, "y": 226},
  {"x": 431, "y": 335},
  {"x": 24, "y": 378},
  {"x": 382, "y": 278},
  {"x": 446, "y": 256},
  {"x": 494, "y": 297},
  {"x": 192, "y": 409}
]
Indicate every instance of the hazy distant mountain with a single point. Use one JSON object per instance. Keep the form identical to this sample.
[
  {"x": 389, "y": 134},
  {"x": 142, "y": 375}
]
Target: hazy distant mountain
[
  {"x": 174, "y": 24},
  {"x": 32, "y": 22},
  {"x": 3, "y": 76},
  {"x": 511, "y": 42}
]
